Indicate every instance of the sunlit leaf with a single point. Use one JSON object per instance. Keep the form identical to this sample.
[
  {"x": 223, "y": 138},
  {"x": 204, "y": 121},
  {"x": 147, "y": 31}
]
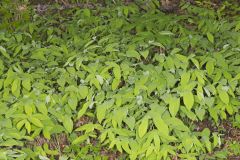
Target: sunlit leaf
[
  {"x": 4, "y": 52},
  {"x": 210, "y": 37},
  {"x": 223, "y": 95},
  {"x": 188, "y": 100},
  {"x": 142, "y": 129},
  {"x": 68, "y": 124},
  {"x": 174, "y": 104}
]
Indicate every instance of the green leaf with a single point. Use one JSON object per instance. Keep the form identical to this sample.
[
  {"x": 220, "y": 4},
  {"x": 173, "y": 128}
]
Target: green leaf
[
  {"x": 96, "y": 83},
  {"x": 188, "y": 100},
  {"x": 177, "y": 124},
  {"x": 125, "y": 146},
  {"x": 174, "y": 104},
  {"x": 206, "y": 134},
  {"x": 144, "y": 53},
  {"x": 195, "y": 62},
  {"x": 68, "y": 123},
  {"x": 80, "y": 139},
  {"x": 31, "y": 28},
  {"x": 83, "y": 90},
  {"x": 229, "y": 109},
  {"x": 168, "y": 33},
  {"x": 214, "y": 113},
  {"x": 83, "y": 110},
  {"x": 17, "y": 50},
  {"x": 87, "y": 12},
  {"x": 117, "y": 72},
  {"x": 185, "y": 78},
  {"x": 175, "y": 50},
  {"x": 36, "y": 122},
  {"x": 158, "y": 44},
  {"x": 188, "y": 143},
  {"x": 20, "y": 124},
  {"x": 200, "y": 94},
  {"x": 16, "y": 87},
  {"x": 119, "y": 115},
  {"x": 103, "y": 136},
  {"x": 115, "y": 83},
  {"x": 217, "y": 77},
  {"x": 150, "y": 150},
  {"x": 157, "y": 141},
  {"x": 116, "y": 23},
  {"x": 87, "y": 127},
  {"x": 210, "y": 67},
  {"x": 216, "y": 139},
  {"x": 10, "y": 143},
  {"x": 4, "y": 52},
  {"x": 237, "y": 77},
  {"x": 26, "y": 83},
  {"x": 28, "y": 109},
  {"x": 73, "y": 102},
  {"x": 223, "y": 95},
  {"x": 130, "y": 121},
  {"x": 101, "y": 109},
  {"x": 210, "y": 37},
  {"x": 100, "y": 79},
  {"x": 46, "y": 132},
  {"x": 1, "y": 83},
  {"x": 133, "y": 54},
  {"x": 200, "y": 112},
  {"x": 142, "y": 129},
  {"x": 161, "y": 125},
  {"x": 237, "y": 26},
  {"x": 42, "y": 108}
]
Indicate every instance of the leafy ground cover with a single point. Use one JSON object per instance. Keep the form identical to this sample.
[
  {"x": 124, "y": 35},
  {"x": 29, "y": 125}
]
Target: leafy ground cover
[{"x": 120, "y": 82}]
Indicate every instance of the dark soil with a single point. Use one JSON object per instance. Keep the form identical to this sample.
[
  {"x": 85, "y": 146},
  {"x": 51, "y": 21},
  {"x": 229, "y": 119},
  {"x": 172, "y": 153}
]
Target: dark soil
[{"x": 230, "y": 133}]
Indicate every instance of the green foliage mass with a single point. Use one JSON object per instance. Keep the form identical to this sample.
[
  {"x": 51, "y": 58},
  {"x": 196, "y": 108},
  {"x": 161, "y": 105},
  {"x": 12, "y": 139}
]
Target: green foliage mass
[{"x": 144, "y": 78}]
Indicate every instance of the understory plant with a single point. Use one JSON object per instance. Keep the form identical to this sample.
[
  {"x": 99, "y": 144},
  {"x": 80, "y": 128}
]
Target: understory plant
[{"x": 143, "y": 79}]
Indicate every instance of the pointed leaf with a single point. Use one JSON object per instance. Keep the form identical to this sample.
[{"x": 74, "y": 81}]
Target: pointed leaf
[
  {"x": 16, "y": 87},
  {"x": 115, "y": 84},
  {"x": 174, "y": 104},
  {"x": 80, "y": 139},
  {"x": 185, "y": 78},
  {"x": 83, "y": 110},
  {"x": 101, "y": 109},
  {"x": 83, "y": 90},
  {"x": 210, "y": 67},
  {"x": 144, "y": 53},
  {"x": 161, "y": 125},
  {"x": 4, "y": 52},
  {"x": 73, "y": 102},
  {"x": 68, "y": 124},
  {"x": 223, "y": 95},
  {"x": 142, "y": 129},
  {"x": 188, "y": 100},
  {"x": 133, "y": 54},
  {"x": 35, "y": 121},
  {"x": 26, "y": 83},
  {"x": 42, "y": 108},
  {"x": 210, "y": 37}
]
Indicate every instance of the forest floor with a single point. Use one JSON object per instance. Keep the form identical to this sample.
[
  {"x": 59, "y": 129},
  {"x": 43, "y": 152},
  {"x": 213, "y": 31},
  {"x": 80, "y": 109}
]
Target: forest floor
[{"x": 119, "y": 80}]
